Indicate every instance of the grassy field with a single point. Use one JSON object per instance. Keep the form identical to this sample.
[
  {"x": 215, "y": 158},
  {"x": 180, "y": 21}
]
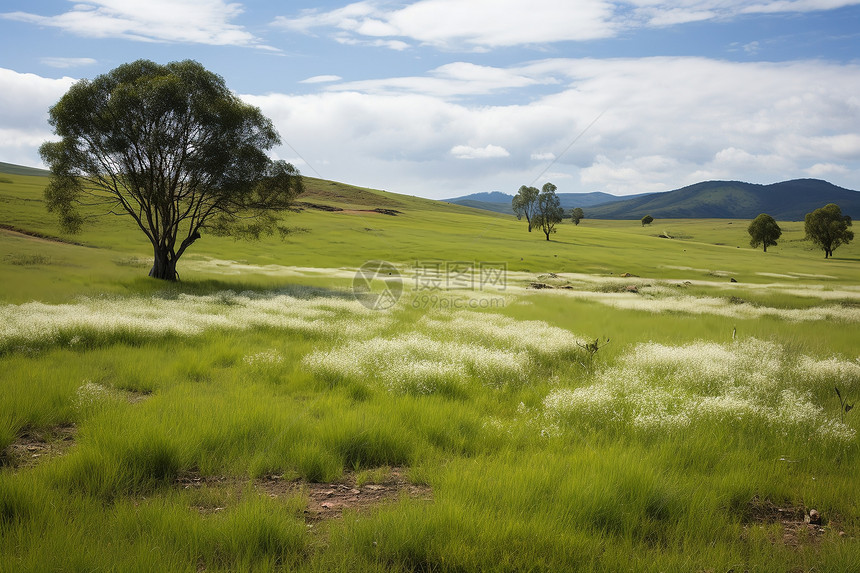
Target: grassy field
[{"x": 611, "y": 401}]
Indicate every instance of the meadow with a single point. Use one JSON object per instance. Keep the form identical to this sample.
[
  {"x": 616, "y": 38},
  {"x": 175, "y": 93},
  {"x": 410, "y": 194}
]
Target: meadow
[{"x": 611, "y": 401}]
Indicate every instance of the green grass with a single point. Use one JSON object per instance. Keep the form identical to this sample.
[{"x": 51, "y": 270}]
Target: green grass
[{"x": 540, "y": 456}]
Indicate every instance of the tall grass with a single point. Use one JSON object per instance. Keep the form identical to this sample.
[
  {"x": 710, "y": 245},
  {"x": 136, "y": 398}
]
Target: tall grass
[{"x": 646, "y": 454}]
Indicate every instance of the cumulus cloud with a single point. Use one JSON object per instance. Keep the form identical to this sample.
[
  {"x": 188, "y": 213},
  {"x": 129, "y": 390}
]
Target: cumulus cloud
[
  {"x": 484, "y": 24},
  {"x": 661, "y": 123},
  {"x": 185, "y": 21},
  {"x": 454, "y": 80},
  {"x": 667, "y": 122},
  {"x": 486, "y": 152},
  {"x": 68, "y": 62},
  {"x": 321, "y": 79},
  {"x": 826, "y": 170},
  {"x": 24, "y": 103},
  {"x": 474, "y": 24}
]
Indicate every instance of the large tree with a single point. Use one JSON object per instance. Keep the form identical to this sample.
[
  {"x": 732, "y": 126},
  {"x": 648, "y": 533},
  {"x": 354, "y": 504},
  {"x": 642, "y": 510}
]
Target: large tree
[
  {"x": 548, "y": 211},
  {"x": 171, "y": 147},
  {"x": 524, "y": 203},
  {"x": 827, "y": 228},
  {"x": 764, "y": 231}
]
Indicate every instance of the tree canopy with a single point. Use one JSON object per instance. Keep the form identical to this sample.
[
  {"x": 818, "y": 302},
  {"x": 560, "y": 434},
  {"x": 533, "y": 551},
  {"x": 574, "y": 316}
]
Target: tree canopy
[
  {"x": 524, "y": 204},
  {"x": 764, "y": 231},
  {"x": 647, "y": 220},
  {"x": 828, "y": 228},
  {"x": 548, "y": 210},
  {"x": 171, "y": 147},
  {"x": 577, "y": 215}
]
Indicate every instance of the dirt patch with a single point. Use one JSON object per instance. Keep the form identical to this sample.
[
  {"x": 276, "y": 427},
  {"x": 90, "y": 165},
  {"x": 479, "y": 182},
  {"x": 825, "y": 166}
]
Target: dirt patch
[
  {"x": 333, "y": 209},
  {"x": 318, "y": 207},
  {"x": 330, "y": 500},
  {"x": 799, "y": 525},
  {"x": 379, "y": 210},
  {"x": 135, "y": 396},
  {"x": 34, "y": 446},
  {"x": 17, "y": 231},
  {"x": 325, "y": 500}
]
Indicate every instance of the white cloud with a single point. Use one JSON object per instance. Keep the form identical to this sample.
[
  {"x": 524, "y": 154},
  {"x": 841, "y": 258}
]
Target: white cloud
[
  {"x": 473, "y": 24},
  {"x": 797, "y": 6},
  {"x": 454, "y": 79},
  {"x": 185, "y": 21},
  {"x": 752, "y": 47},
  {"x": 665, "y": 123},
  {"x": 668, "y": 122},
  {"x": 321, "y": 79},
  {"x": 24, "y": 103},
  {"x": 25, "y": 99},
  {"x": 826, "y": 170},
  {"x": 484, "y": 24},
  {"x": 486, "y": 152},
  {"x": 68, "y": 62},
  {"x": 662, "y": 16}
]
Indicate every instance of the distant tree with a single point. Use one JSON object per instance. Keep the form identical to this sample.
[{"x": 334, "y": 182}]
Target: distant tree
[
  {"x": 828, "y": 228},
  {"x": 548, "y": 211},
  {"x": 524, "y": 204},
  {"x": 173, "y": 148},
  {"x": 647, "y": 220},
  {"x": 764, "y": 231},
  {"x": 577, "y": 215}
]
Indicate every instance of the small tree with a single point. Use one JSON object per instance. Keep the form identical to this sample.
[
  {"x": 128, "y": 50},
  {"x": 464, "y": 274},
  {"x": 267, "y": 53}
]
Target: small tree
[
  {"x": 647, "y": 220},
  {"x": 548, "y": 212},
  {"x": 577, "y": 215},
  {"x": 174, "y": 149},
  {"x": 827, "y": 228},
  {"x": 524, "y": 204},
  {"x": 764, "y": 231}
]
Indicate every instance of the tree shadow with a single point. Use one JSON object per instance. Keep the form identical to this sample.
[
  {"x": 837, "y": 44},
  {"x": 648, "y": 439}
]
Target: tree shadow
[{"x": 147, "y": 286}]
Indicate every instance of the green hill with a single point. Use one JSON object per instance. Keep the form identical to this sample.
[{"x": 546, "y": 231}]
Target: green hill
[
  {"x": 501, "y": 202},
  {"x": 786, "y": 201},
  {"x": 12, "y": 169}
]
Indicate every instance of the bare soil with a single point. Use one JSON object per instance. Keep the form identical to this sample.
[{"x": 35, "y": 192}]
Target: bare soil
[
  {"x": 798, "y": 528},
  {"x": 325, "y": 500},
  {"x": 330, "y": 500},
  {"x": 34, "y": 446},
  {"x": 18, "y": 232}
]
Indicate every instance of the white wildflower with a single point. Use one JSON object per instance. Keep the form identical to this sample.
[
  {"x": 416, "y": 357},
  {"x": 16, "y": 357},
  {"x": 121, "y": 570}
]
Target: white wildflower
[
  {"x": 264, "y": 358},
  {"x": 657, "y": 387},
  {"x": 418, "y": 363},
  {"x": 91, "y": 394}
]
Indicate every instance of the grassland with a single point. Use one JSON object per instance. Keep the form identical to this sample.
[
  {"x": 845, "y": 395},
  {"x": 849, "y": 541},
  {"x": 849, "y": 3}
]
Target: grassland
[{"x": 256, "y": 416}]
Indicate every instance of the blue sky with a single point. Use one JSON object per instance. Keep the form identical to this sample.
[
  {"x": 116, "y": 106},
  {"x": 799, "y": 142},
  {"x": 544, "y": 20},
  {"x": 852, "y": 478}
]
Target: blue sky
[{"x": 441, "y": 98}]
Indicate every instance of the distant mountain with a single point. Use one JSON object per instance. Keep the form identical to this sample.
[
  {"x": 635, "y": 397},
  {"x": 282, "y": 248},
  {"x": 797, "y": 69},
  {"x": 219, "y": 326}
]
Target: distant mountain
[
  {"x": 501, "y": 202},
  {"x": 20, "y": 170},
  {"x": 786, "y": 201}
]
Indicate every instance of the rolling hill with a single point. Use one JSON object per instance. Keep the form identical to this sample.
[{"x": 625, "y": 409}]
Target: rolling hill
[
  {"x": 12, "y": 169},
  {"x": 785, "y": 201},
  {"x": 501, "y": 202}
]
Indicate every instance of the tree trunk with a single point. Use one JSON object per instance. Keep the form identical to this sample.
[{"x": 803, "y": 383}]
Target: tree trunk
[
  {"x": 765, "y": 247},
  {"x": 547, "y": 235},
  {"x": 163, "y": 266}
]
